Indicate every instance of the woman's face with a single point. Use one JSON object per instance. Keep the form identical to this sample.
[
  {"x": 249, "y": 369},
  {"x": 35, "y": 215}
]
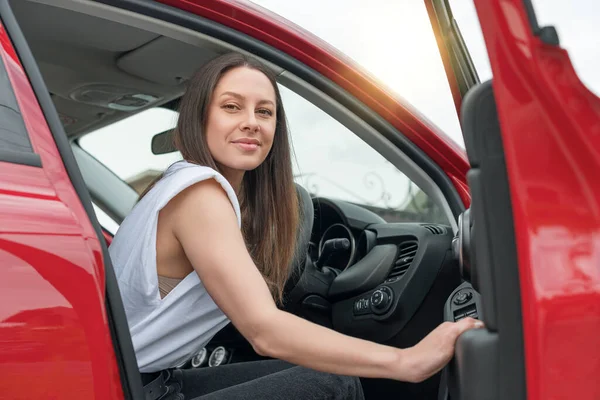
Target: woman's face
[{"x": 241, "y": 120}]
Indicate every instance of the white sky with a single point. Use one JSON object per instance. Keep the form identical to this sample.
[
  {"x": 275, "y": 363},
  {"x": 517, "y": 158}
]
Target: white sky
[{"x": 393, "y": 40}]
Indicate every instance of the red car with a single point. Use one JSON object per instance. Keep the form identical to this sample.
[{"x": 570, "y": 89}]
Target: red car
[{"x": 508, "y": 232}]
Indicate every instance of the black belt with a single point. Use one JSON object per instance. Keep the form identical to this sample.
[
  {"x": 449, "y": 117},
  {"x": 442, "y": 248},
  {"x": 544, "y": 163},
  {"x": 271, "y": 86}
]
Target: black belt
[{"x": 159, "y": 386}]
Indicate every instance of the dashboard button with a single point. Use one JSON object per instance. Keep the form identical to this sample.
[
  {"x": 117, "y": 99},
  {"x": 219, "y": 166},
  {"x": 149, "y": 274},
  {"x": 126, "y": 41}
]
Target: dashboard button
[{"x": 362, "y": 306}]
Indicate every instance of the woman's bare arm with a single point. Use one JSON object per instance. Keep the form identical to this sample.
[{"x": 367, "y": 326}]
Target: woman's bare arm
[{"x": 206, "y": 226}]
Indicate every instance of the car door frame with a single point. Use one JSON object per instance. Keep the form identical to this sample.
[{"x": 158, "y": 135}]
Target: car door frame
[
  {"x": 458, "y": 65},
  {"x": 37, "y": 95}
]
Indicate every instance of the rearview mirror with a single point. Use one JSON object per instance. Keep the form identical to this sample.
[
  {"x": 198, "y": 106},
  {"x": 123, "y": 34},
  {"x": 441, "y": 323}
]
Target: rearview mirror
[{"x": 162, "y": 143}]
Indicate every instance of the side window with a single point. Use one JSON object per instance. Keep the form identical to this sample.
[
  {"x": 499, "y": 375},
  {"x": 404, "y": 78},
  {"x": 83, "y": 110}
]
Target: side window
[
  {"x": 331, "y": 161},
  {"x": 15, "y": 145},
  {"x": 105, "y": 221}
]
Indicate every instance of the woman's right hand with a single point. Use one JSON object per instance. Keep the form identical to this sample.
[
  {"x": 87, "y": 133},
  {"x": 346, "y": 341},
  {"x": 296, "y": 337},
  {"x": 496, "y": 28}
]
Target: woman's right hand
[{"x": 431, "y": 354}]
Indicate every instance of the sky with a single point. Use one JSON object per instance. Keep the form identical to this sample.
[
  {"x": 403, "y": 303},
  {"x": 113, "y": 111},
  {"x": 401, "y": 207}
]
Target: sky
[{"x": 393, "y": 41}]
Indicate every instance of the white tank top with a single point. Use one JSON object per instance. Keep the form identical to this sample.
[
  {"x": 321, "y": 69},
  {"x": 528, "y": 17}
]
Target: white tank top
[{"x": 168, "y": 331}]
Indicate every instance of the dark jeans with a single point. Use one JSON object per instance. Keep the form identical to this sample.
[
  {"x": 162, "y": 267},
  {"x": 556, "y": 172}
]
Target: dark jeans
[{"x": 269, "y": 380}]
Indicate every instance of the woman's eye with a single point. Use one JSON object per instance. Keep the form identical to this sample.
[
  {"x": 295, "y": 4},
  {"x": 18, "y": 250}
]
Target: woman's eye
[
  {"x": 230, "y": 107},
  {"x": 265, "y": 111}
]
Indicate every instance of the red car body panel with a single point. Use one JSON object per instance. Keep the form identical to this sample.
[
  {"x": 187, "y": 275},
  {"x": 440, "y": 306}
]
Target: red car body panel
[
  {"x": 551, "y": 135},
  {"x": 55, "y": 339}
]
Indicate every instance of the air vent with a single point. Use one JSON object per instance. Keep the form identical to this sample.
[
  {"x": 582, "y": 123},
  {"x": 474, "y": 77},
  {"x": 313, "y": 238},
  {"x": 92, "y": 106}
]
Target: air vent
[
  {"x": 406, "y": 255},
  {"x": 435, "y": 229}
]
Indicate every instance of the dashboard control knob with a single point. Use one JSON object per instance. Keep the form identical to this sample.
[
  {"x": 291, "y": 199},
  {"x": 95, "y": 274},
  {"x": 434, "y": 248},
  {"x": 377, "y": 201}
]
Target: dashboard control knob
[
  {"x": 199, "y": 359},
  {"x": 219, "y": 356},
  {"x": 381, "y": 300},
  {"x": 462, "y": 297}
]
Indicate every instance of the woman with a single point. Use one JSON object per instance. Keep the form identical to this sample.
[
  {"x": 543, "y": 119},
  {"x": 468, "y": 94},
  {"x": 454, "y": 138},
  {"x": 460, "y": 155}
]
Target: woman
[{"x": 185, "y": 268}]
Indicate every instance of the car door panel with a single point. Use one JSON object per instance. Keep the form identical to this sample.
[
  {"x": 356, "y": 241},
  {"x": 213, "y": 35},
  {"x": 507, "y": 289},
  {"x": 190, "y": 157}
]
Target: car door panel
[
  {"x": 530, "y": 139},
  {"x": 491, "y": 357},
  {"x": 545, "y": 110}
]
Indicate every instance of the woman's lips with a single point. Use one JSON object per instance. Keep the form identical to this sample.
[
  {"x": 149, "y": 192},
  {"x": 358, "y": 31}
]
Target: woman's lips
[{"x": 247, "y": 146}]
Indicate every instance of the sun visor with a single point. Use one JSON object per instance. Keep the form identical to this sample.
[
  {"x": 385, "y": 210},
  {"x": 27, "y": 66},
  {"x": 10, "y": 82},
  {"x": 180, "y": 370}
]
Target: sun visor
[
  {"x": 162, "y": 143},
  {"x": 166, "y": 61}
]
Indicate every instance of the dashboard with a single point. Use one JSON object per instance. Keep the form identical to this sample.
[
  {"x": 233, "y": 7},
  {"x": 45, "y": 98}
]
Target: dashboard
[{"x": 386, "y": 277}]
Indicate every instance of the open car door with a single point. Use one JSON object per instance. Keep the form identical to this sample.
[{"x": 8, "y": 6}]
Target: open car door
[
  {"x": 529, "y": 241},
  {"x": 63, "y": 329}
]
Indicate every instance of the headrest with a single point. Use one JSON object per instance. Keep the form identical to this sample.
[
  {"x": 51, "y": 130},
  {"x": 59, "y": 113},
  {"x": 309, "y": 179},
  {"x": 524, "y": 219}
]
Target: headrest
[{"x": 480, "y": 123}]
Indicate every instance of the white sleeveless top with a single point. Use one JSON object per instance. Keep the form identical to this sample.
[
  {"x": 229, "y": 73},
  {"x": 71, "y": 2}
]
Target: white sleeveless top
[{"x": 168, "y": 331}]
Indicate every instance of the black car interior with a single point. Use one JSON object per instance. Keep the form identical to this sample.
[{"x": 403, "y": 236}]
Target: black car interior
[
  {"x": 387, "y": 282},
  {"x": 488, "y": 363}
]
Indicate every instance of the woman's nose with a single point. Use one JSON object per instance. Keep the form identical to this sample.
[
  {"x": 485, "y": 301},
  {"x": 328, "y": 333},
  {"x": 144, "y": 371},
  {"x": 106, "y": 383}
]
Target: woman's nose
[{"x": 250, "y": 122}]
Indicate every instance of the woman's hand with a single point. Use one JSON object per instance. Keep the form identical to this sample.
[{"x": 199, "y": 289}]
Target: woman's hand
[{"x": 431, "y": 354}]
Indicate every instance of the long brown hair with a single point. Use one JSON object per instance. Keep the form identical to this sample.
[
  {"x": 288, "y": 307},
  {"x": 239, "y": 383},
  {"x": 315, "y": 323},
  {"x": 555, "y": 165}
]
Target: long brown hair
[{"x": 268, "y": 199}]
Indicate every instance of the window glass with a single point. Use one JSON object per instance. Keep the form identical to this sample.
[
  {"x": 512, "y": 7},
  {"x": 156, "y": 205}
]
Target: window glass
[
  {"x": 392, "y": 39},
  {"x": 105, "y": 221},
  {"x": 330, "y": 160},
  {"x": 125, "y": 146},
  {"x": 13, "y": 135}
]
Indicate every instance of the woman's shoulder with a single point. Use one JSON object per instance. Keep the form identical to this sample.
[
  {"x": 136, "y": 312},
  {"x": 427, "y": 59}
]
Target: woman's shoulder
[
  {"x": 183, "y": 166},
  {"x": 196, "y": 181}
]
